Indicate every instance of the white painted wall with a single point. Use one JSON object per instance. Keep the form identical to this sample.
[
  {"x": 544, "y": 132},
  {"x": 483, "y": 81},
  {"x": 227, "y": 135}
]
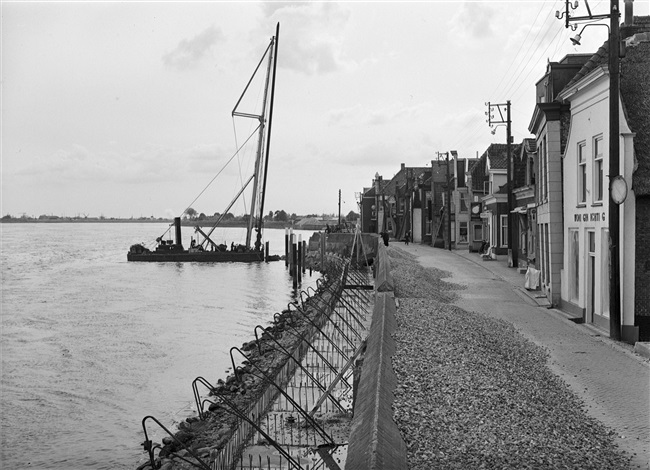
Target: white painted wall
[{"x": 589, "y": 119}]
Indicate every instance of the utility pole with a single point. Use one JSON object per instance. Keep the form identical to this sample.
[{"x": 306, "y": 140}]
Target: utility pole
[
  {"x": 617, "y": 185},
  {"x": 614, "y": 151},
  {"x": 339, "y": 208},
  {"x": 448, "y": 208},
  {"x": 448, "y": 204},
  {"x": 513, "y": 261}
]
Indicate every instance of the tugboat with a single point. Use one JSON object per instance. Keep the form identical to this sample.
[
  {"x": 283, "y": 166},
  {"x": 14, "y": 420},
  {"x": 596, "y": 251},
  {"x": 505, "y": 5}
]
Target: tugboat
[{"x": 204, "y": 249}]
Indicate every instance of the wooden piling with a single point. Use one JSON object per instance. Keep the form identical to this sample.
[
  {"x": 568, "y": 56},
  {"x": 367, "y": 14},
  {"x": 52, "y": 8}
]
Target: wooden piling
[
  {"x": 299, "y": 260},
  {"x": 294, "y": 260},
  {"x": 286, "y": 247},
  {"x": 322, "y": 252}
]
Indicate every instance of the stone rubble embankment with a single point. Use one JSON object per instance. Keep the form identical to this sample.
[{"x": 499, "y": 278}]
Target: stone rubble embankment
[{"x": 474, "y": 393}]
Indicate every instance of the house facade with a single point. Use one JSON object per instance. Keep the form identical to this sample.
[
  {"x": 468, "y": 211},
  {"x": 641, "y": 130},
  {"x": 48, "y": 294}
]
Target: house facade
[
  {"x": 586, "y": 274},
  {"x": 525, "y": 210},
  {"x": 487, "y": 180},
  {"x": 550, "y": 126}
]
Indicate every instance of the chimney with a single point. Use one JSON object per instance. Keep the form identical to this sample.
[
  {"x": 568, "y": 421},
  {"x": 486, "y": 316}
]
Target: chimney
[
  {"x": 629, "y": 12},
  {"x": 403, "y": 165}
]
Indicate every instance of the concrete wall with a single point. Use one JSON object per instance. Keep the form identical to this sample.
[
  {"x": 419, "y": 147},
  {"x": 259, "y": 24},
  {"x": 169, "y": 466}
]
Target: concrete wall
[
  {"x": 375, "y": 440},
  {"x": 341, "y": 243}
]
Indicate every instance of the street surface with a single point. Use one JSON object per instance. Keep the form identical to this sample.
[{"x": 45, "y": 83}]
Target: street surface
[{"x": 612, "y": 381}]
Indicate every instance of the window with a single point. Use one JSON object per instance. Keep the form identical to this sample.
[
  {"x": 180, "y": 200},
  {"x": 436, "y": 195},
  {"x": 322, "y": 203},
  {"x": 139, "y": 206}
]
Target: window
[
  {"x": 462, "y": 234},
  {"x": 463, "y": 202},
  {"x": 478, "y": 232},
  {"x": 546, "y": 170},
  {"x": 574, "y": 265},
  {"x": 582, "y": 174},
  {"x": 504, "y": 230},
  {"x": 543, "y": 171},
  {"x": 598, "y": 169},
  {"x": 547, "y": 255}
]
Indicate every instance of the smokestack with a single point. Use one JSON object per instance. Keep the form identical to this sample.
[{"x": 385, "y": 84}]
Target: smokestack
[
  {"x": 177, "y": 225},
  {"x": 629, "y": 12}
]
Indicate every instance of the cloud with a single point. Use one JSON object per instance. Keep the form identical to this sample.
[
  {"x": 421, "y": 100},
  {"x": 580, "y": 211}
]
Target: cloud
[
  {"x": 313, "y": 42},
  {"x": 150, "y": 164},
  {"x": 389, "y": 114},
  {"x": 189, "y": 52},
  {"x": 473, "y": 23}
]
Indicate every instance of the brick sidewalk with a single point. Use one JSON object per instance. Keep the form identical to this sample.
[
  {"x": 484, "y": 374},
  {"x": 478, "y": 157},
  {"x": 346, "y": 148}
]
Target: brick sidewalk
[{"x": 611, "y": 380}]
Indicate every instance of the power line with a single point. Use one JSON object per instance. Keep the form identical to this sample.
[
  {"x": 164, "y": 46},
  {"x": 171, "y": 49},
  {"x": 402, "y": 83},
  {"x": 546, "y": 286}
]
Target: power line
[
  {"x": 520, "y": 47},
  {"x": 531, "y": 56}
]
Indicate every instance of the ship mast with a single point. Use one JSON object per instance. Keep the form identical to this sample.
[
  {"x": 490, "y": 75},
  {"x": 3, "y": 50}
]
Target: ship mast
[
  {"x": 261, "y": 164},
  {"x": 258, "y": 240}
]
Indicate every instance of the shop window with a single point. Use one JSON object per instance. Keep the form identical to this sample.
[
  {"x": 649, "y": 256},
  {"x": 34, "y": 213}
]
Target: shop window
[
  {"x": 598, "y": 170},
  {"x": 582, "y": 174},
  {"x": 478, "y": 232},
  {"x": 504, "y": 230}
]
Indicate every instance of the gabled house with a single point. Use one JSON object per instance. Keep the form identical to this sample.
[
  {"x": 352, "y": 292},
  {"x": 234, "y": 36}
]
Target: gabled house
[
  {"x": 586, "y": 279},
  {"x": 488, "y": 179},
  {"x": 461, "y": 202},
  {"x": 549, "y": 124},
  {"x": 477, "y": 185},
  {"x": 525, "y": 208},
  {"x": 442, "y": 215},
  {"x": 405, "y": 189},
  {"x": 374, "y": 206}
]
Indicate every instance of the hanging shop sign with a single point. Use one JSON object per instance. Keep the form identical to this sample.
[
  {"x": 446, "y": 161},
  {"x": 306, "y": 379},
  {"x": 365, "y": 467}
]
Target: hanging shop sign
[{"x": 475, "y": 208}]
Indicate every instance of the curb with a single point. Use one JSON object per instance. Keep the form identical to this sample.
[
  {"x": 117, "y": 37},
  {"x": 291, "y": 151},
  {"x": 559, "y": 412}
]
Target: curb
[{"x": 640, "y": 351}]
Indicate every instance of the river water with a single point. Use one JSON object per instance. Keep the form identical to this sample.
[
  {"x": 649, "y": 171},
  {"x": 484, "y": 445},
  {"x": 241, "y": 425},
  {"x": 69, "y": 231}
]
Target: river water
[{"x": 91, "y": 344}]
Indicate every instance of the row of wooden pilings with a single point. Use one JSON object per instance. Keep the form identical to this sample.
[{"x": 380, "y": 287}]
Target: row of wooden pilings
[{"x": 295, "y": 249}]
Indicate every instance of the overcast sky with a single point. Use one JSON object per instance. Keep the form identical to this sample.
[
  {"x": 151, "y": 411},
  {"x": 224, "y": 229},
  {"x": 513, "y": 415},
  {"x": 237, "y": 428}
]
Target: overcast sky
[{"x": 123, "y": 109}]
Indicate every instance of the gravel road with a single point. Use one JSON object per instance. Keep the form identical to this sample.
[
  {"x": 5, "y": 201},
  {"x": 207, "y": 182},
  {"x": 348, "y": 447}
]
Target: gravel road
[{"x": 474, "y": 393}]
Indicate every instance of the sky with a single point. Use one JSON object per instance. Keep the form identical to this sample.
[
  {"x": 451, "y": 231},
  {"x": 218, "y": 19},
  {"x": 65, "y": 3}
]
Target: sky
[{"x": 123, "y": 109}]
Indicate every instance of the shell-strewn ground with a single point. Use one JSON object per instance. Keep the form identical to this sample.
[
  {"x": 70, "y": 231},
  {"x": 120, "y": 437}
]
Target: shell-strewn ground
[{"x": 474, "y": 393}]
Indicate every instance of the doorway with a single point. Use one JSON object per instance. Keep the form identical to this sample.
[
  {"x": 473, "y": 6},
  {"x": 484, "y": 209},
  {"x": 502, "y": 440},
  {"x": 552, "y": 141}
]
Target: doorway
[{"x": 591, "y": 275}]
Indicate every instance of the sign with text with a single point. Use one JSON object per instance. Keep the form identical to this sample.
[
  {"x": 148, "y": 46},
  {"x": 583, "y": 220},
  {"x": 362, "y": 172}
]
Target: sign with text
[{"x": 589, "y": 217}]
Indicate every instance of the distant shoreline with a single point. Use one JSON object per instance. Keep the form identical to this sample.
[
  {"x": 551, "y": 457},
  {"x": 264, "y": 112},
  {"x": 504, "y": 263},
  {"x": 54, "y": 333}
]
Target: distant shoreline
[
  {"x": 80, "y": 221},
  {"x": 185, "y": 223}
]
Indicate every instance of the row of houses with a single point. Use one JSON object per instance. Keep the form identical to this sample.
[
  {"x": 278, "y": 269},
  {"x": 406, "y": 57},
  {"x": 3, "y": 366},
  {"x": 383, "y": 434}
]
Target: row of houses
[{"x": 558, "y": 213}]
